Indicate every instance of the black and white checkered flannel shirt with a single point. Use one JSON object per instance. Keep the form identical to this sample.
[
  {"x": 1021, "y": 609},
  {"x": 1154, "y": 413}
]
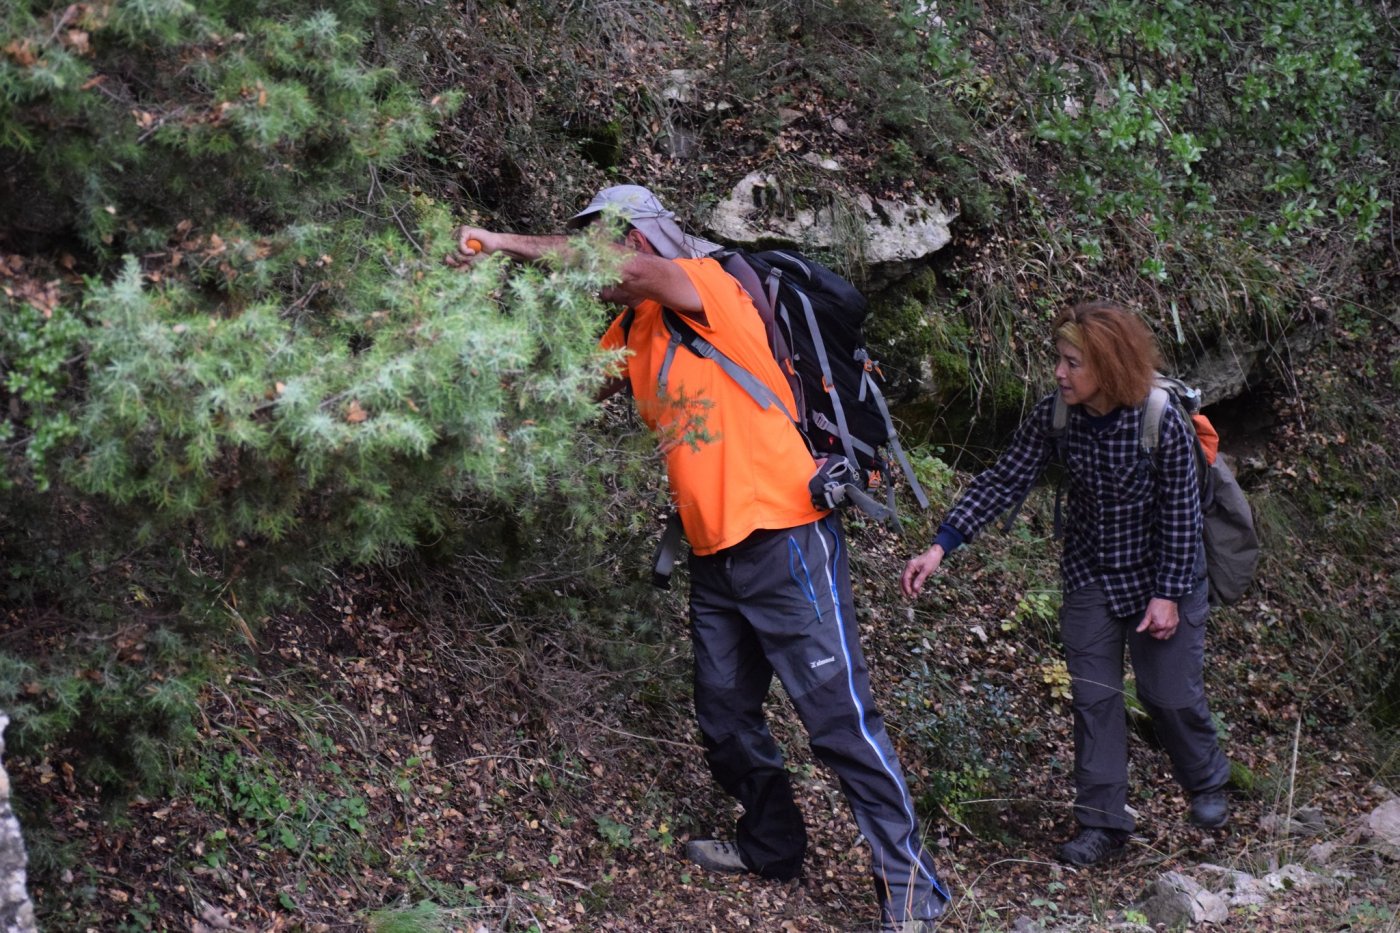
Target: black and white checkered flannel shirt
[{"x": 1131, "y": 524}]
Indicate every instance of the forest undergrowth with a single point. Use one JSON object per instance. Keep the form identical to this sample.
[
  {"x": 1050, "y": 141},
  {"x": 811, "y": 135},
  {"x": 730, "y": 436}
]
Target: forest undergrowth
[{"x": 322, "y": 590}]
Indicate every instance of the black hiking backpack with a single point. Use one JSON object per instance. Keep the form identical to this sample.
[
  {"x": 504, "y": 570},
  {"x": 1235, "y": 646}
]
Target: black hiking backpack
[{"x": 815, "y": 321}]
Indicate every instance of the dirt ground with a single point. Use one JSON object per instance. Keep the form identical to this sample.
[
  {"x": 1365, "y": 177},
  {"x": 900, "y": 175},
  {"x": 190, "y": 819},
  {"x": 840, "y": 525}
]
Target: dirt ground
[{"x": 519, "y": 789}]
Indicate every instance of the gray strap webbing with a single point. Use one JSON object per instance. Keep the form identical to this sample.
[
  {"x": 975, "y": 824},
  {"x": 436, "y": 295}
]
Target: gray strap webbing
[
  {"x": 795, "y": 260},
  {"x": 665, "y": 373},
  {"x": 866, "y": 503},
  {"x": 822, "y": 421},
  {"x": 756, "y": 388},
  {"x": 892, "y": 438},
  {"x": 863, "y": 358},
  {"x": 828, "y": 383},
  {"x": 1151, "y": 433}
]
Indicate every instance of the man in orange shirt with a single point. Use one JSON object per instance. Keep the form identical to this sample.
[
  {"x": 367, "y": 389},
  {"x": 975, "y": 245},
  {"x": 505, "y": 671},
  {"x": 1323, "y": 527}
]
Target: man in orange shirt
[{"x": 770, "y": 587}]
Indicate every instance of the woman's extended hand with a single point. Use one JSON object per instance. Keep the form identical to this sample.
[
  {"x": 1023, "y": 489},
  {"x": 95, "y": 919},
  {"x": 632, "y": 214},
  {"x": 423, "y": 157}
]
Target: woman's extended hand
[
  {"x": 920, "y": 569},
  {"x": 1160, "y": 620}
]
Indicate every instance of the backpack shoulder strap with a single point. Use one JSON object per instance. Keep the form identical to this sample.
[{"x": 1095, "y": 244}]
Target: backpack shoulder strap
[
  {"x": 741, "y": 268},
  {"x": 682, "y": 334},
  {"x": 733, "y": 262},
  {"x": 1151, "y": 432},
  {"x": 843, "y": 430},
  {"x": 892, "y": 439},
  {"x": 1059, "y": 418}
]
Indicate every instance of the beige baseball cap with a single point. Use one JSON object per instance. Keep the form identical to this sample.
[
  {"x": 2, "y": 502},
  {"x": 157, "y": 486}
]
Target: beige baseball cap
[{"x": 643, "y": 210}]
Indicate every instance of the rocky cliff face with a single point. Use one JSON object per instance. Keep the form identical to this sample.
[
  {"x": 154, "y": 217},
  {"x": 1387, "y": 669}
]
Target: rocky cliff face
[{"x": 881, "y": 231}]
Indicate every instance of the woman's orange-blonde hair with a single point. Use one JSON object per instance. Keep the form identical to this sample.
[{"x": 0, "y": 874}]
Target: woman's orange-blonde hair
[{"x": 1118, "y": 348}]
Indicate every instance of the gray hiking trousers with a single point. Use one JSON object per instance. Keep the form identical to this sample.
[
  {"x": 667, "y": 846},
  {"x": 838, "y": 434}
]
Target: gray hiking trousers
[
  {"x": 1170, "y": 684},
  {"x": 780, "y": 602}
]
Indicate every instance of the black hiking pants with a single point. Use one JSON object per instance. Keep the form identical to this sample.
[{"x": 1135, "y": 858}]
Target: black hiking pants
[
  {"x": 1170, "y": 684},
  {"x": 780, "y": 602}
]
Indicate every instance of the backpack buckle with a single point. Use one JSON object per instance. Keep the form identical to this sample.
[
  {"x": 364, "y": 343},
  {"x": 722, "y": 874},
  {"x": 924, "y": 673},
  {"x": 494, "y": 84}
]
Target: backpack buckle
[{"x": 828, "y": 485}]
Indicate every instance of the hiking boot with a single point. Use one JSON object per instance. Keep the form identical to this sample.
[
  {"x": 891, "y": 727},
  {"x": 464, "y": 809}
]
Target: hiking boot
[
  {"x": 917, "y": 924},
  {"x": 1093, "y": 846},
  {"x": 1210, "y": 809},
  {"x": 909, "y": 926},
  {"x": 716, "y": 855}
]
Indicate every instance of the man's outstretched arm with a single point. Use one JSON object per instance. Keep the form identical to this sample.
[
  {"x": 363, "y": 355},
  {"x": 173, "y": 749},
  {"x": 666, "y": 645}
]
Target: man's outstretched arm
[{"x": 644, "y": 275}]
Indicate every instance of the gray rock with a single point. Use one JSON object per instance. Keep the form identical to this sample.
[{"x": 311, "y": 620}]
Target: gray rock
[
  {"x": 680, "y": 143},
  {"x": 680, "y": 85},
  {"x": 1226, "y": 369},
  {"x": 1176, "y": 899},
  {"x": 1293, "y": 877},
  {"x": 1322, "y": 852},
  {"x": 1383, "y": 827},
  {"x": 1304, "y": 822},
  {"x": 16, "y": 911},
  {"x": 1239, "y": 888},
  {"x": 883, "y": 231}
]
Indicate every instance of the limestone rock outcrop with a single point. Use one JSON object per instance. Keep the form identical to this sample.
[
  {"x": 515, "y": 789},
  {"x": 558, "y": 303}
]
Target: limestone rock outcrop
[
  {"x": 16, "y": 911},
  {"x": 882, "y": 231}
]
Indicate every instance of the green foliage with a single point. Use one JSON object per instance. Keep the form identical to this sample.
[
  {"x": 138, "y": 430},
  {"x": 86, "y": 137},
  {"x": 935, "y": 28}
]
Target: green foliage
[
  {"x": 1038, "y": 610},
  {"x": 1278, "y": 89},
  {"x": 231, "y": 357},
  {"x": 262, "y": 111},
  {"x": 125, "y": 701},
  {"x": 616, "y": 835},
  {"x": 273, "y": 812},
  {"x": 34, "y": 354},
  {"x": 935, "y": 475},
  {"x": 1258, "y": 130},
  {"x": 1225, "y": 172},
  {"x": 902, "y": 76},
  {"x": 426, "y": 387},
  {"x": 423, "y": 917},
  {"x": 954, "y": 743}
]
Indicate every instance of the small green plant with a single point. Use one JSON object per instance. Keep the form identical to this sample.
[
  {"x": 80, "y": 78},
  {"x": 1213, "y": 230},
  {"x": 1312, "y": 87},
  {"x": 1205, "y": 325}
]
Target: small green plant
[
  {"x": 937, "y": 478},
  {"x": 1055, "y": 675},
  {"x": 255, "y": 796},
  {"x": 1038, "y": 607},
  {"x": 616, "y": 835},
  {"x": 955, "y": 743}
]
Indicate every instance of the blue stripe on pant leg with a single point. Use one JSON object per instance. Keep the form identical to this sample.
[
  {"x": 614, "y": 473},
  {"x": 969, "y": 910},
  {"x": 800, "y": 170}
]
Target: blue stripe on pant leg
[{"x": 832, "y": 553}]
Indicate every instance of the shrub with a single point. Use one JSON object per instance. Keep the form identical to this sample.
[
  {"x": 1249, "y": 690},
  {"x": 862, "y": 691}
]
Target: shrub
[{"x": 232, "y": 357}]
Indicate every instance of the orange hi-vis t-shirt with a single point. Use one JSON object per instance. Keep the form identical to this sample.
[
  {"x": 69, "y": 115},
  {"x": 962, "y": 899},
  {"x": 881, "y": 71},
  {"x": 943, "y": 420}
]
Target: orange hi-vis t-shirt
[{"x": 737, "y": 467}]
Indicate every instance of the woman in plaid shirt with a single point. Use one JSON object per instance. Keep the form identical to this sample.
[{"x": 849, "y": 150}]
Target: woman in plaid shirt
[{"x": 1132, "y": 569}]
